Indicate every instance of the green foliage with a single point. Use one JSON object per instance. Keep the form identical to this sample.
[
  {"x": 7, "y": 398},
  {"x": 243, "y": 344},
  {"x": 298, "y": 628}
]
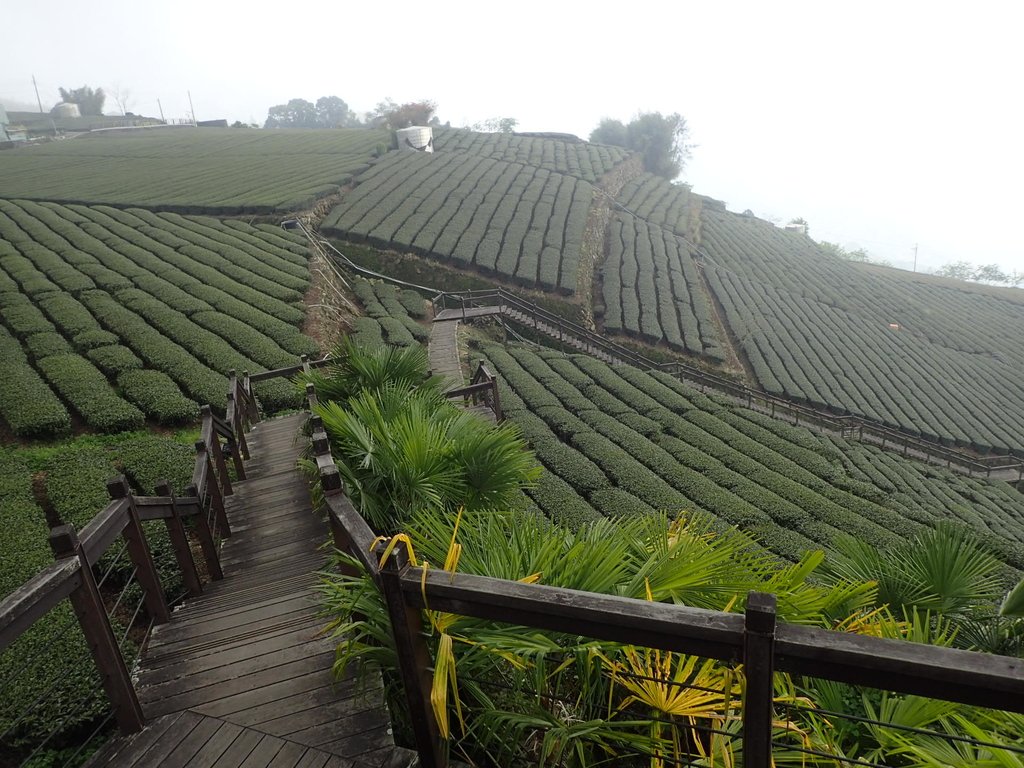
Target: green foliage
[
  {"x": 114, "y": 360},
  {"x": 157, "y": 395},
  {"x": 26, "y": 403},
  {"x": 89, "y": 100},
  {"x": 46, "y": 344},
  {"x": 89, "y": 393},
  {"x": 659, "y": 139}
]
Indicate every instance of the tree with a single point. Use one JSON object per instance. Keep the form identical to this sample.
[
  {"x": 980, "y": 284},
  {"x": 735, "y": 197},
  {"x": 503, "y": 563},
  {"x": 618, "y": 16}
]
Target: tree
[
  {"x": 89, "y": 101},
  {"x": 660, "y": 139},
  {"x": 387, "y": 114},
  {"x": 297, "y": 113},
  {"x": 990, "y": 273},
  {"x": 958, "y": 270},
  {"x": 122, "y": 98},
  {"x": 496, "y": 125},
  {"x": 333, "y": 112}
]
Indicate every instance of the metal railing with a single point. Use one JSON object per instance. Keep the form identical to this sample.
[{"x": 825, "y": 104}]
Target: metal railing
[{"x": 531, "y": 316}]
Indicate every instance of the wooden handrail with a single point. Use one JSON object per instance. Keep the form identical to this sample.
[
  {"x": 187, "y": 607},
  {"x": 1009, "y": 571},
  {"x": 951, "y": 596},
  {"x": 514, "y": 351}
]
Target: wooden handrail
[{"x": 37, "y": 597}]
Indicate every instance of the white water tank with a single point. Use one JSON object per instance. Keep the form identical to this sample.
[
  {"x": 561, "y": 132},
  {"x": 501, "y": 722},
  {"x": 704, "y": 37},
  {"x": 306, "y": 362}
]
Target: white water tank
[{"x": 418, "y": 137}]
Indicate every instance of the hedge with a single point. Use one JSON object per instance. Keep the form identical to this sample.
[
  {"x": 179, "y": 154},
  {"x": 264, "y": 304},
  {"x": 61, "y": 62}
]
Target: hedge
[
  {"x": 46, "y": 344},
  {"x": 114, "y": 359},
  {"x": 89, "y": 393},
  {"x": 26, "y": 403},
  {"x": 157, "y": 395}
]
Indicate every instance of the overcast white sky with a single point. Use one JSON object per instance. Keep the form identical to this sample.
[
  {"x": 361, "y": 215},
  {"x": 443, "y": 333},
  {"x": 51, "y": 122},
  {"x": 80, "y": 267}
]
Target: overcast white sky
[{"x": 884, "y": 124}]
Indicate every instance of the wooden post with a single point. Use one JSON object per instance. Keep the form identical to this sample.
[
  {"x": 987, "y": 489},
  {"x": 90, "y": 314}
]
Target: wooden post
[
  {"x": 92, "y": 617},
  {"x": 414, "y": 661},
  {"x": 758, "y": 669},
  {"x": 250, "y": 399},
  {"x": 215, "y": 495},
  {"x": 311, "y": 399},
  {"x": 179, "y": 542},
  {"x": 205, "y": 536},
  {"x": 237, "y": 426},
  {"x": 304, "y": 359},
  {"x": 138, "y": 551},
  {"x": 218, "y": 454}
]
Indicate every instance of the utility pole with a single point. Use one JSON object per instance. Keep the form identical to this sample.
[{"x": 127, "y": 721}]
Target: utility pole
[
  {"x": 161, "y": 106},
  {"x": 915, "y": 257},
  {"x": 38, "y": 100},
  {"x": 191, "y": 108}
]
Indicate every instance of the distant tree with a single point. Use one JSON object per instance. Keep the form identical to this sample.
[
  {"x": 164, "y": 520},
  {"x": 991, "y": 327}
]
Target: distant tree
[
  {"x": 387, "y": 114},
  {"x": 89, "y": 101},
  {"x": 122, "y": 97},
  {"x": 660, "y": 139},
  {"x": 333, "y": 112},
  {"x": 858, "y": 254},
  {"x": 958, "y": 270},
  {"x": 297, "y": 113},
  {"x": 496, "y": 125},
  {"x": 990, "y": 273},
  {"x": 240, "y": 124}
]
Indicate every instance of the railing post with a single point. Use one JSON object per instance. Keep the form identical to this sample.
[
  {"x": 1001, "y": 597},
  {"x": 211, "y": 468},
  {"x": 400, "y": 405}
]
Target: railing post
[
  {"x": 218, "y": 454},
  {"x": 205, "y": 536},
  {"x": 214, "y": 489},
  {"x": 758, "y": 670},
  {"x": 238, "y": 427},
  {"x": 312, "y": 401},
  {"x": 92, "y": 617},
  {"x": 414, "y": 662},
  {"x": 138, "y": 551},
  {"x": 179, "y": 542},
  {"x": 304, "y": 359},
  {"x": 250, "y": 399}
]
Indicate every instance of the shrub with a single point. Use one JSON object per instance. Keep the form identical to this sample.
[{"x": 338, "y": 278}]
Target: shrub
[
  {"x": 157, "y": 395},
  {"x": 82, "y": 384},
  {"x": 114, "y": 359},
  {"x": 48, "y": 344},
  {"x": 93, "y": 339}
]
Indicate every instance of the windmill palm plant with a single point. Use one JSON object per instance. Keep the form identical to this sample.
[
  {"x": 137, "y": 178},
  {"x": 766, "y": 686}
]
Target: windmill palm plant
[
  {"x": 401, "y": 447},
  {"x": 509, "y": 695}
]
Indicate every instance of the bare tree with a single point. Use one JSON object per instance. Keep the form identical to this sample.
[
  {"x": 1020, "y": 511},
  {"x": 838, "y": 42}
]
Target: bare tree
[{"x": 122, "y": 97}]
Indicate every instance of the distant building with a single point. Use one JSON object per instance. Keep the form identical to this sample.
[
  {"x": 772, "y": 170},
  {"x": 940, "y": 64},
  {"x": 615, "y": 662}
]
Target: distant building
[{"x": 801, "y": 228}]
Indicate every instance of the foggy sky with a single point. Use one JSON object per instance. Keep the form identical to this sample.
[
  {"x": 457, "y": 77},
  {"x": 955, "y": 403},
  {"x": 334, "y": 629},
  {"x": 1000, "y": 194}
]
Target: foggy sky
[{"x": 883, "y": 124}]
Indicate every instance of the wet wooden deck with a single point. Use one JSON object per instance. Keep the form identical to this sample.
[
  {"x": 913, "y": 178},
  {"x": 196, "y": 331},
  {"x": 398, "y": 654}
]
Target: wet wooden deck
[{"x": 241, "y": 675}]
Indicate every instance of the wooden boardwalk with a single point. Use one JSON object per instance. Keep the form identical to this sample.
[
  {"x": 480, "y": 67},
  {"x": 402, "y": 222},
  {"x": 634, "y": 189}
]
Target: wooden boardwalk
[{"x": 241, "y": 675}]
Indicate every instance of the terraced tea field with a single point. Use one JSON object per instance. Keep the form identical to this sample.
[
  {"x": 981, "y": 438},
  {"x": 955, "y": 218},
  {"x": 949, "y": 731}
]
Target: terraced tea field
[
  {"x": 931, "y": 357},
  {"x": 621, "y": 441},
  {"x": 119, "y": 316},
  {"x": 191, "y": 170},
  {"x": 521, "y": 222}
]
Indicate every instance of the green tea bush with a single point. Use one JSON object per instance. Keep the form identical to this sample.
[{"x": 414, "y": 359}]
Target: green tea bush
[
  {"x": 157, "y": 395},
  {"x": 114, "y": 359},
  {"x": 89, "y": 393},
  {"x": 47, "y": 344}
]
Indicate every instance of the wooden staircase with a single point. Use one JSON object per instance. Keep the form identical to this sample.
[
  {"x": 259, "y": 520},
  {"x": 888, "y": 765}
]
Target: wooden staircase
[{"x": 241, "y": 675}]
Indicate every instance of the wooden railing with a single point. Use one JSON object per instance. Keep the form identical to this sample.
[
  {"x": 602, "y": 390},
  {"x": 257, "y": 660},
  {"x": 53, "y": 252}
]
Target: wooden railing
[
  {"x": 846, "y": 425},
  {"x": 77, "y": 552},
  {"x": 482, "y": 389},
  {"x": 754, "y": 639}
]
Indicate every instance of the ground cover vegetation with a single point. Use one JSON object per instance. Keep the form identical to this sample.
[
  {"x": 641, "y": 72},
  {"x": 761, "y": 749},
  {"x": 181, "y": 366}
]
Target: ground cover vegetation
[
  {"x": 522, "y": 222},
  {"x": 119, "y": 316},
  {"x": 391, "y": 315},
  {"x": 191, "y": 170}
]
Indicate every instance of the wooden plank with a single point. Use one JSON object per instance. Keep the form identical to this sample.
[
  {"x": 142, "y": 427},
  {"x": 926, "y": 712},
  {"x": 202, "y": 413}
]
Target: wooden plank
[
  {"x": 36, "y": 597},
  {"x": 217, "y": 745},
  {"x": 361, "y": 743},
  {"x": 99, "y": 533},
  {"x": 127, "y": 752},
  {"x": 193, "y": 682},
  {"x": 342, "y": 728},
  {"x": 265, "y": 751},
  {"x": 224, "y": 699},
  {"x": 316, "y": 724},
  {"x": 951, "y": 674},
  {"x": 267, "y": 693},
  {"x": 289, "y": 755},
  {"x": 330, "y": 692},
  {"x": 239, "y": 750},
  {"x": 677, "y": 628},
  {"x": 195, "y": 740}
]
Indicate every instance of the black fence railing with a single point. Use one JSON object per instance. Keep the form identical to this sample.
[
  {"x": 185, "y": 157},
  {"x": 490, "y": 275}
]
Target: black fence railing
[{"x": 533, "y": 317}]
